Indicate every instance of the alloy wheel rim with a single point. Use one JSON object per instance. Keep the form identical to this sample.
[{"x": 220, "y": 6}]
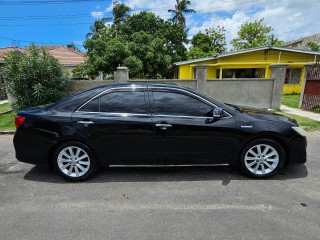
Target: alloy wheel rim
[
  {"x": 73, "y": 161},
  {"x": 261, "y": 159}
]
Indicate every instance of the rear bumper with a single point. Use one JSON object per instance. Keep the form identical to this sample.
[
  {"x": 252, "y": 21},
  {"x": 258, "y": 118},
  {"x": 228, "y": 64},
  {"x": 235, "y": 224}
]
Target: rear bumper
[
  {"x": 31, "y": 147},
  {"x": 298, "y": 149}
]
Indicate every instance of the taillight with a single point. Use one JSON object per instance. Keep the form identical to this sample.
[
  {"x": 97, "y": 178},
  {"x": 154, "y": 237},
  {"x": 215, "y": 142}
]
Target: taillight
[{"x": 18, "y": 120}]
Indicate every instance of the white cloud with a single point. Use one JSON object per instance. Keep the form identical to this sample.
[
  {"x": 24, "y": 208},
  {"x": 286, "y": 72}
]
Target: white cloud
[
  {"x": 97, "y": 14},
  {"x": 231, "y": 25},
  {"x": 109, "y": 9},
  {"x": 290, "y": 19}
]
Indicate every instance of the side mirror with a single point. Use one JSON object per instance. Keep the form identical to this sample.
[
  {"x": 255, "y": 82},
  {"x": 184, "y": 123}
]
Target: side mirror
[{"x": 217, "y": 112}]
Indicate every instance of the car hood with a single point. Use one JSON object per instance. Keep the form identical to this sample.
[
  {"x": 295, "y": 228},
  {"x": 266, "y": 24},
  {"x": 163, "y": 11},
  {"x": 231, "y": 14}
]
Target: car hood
[{"x": 266, "y": 115}]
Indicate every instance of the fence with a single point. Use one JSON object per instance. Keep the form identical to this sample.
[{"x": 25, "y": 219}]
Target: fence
[
  {"x": 257, "y": 93},
  {"x": 3, "y": 94},
  {"x": 311, "y": 91}
]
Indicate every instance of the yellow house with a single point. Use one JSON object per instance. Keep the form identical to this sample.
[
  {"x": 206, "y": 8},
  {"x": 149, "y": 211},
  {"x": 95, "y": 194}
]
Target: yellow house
[{"x": 253, "y": 63}]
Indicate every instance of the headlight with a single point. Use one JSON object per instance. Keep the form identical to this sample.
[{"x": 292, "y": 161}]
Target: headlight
[{"x": 300, "y": 131}]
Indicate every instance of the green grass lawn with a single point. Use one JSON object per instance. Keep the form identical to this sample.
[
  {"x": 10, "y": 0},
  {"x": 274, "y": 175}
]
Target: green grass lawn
[
  {"x": 291, "y": 100},
  {"x": 309, "y": 124},
  {"x": 7, "y": 121},
  {"x": 4, "y": 107}
]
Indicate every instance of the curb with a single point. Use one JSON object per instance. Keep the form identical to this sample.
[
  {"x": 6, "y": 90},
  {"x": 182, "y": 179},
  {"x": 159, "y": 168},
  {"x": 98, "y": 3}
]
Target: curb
[
  {"x": 9, "y": 132},
  {"x": 9, "y": 111}
]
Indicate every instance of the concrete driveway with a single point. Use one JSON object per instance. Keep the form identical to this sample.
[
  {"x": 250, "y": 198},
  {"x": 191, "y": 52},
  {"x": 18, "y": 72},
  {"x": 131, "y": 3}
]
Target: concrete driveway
[{"x": 178, "y": 203}]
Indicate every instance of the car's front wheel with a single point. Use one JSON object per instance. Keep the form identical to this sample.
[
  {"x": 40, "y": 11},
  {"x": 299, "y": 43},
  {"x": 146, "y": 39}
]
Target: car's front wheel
[
  {"x": 262, "y": 158},
  {"x": 75, "y": 161}
]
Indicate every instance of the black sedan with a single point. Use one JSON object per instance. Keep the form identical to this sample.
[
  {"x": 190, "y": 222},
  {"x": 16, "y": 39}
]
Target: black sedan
[{"x": 154, "y": 125}]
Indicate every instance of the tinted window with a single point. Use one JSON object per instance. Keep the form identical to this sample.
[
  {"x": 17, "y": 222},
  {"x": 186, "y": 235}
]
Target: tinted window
[
  {"x": 123, "y": 102},
  {"x": 167, "y": 103},
  {"x": 92, "y": 106}
]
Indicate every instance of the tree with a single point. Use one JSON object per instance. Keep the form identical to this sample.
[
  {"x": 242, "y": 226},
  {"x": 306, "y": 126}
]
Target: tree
[
  {"x": 273, "y": 41},
  {"x": 218, "y": 39},
  {"x": 120, "y": 12},
  {"x": 254, "y": 34},
  {"x": 33, "y": 77},
  {"x": 313, "y": 46},
  {"x": 97, "y": 28},
  {"x": 144, "y": 42},
  {"x": 212, "y": 42},
  {"x": 181, "y": 7},
  {"x": 73, "y": 47},
  {"x": 104, "y": 55}
]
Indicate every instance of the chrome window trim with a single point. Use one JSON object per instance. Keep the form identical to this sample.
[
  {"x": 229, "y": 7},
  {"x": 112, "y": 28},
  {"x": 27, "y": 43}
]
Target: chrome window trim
[
  {"x": 151, "y": 88},
  {"x": 114, "y": 113},
  {"x": 182, "y": 116},
  {"x": 144, "y": 114},
  {"x": 196, "y": 96}
]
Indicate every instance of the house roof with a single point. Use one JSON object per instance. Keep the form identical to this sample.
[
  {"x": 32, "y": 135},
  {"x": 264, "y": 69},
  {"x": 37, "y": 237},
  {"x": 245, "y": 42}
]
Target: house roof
[
  {"x": 284, "y": 49},
  {"x": 64, "y": 55},
  {"x": 6, "y": 50},
  {"x": 67, "y": 56}
]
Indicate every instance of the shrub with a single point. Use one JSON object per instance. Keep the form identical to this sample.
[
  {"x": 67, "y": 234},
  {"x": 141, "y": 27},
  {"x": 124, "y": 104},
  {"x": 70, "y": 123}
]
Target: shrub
[{"x": 33, "y": 77}]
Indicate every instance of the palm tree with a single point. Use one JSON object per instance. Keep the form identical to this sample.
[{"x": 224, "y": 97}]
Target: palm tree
[
  {"x": 180, "y": 8},
  {"x": 96, "y": 28},
  {"x": 120, "y": 11},
  {"x": 73, "y": 47}
]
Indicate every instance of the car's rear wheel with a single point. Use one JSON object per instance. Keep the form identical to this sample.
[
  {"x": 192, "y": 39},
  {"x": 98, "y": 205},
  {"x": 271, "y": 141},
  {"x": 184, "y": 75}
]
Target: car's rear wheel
[
  {"x": 75, "y": 161},
  {"x": 262, "y": 158}
]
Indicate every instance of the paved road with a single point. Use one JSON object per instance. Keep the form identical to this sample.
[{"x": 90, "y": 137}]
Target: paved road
[{"x": 180, "y": 203}]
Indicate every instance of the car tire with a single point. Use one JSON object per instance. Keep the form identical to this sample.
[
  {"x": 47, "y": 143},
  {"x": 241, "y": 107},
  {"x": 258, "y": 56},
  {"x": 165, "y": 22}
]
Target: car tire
[
  {"x": 75, "y": 161},
  {"x": 262, "y": 158}
]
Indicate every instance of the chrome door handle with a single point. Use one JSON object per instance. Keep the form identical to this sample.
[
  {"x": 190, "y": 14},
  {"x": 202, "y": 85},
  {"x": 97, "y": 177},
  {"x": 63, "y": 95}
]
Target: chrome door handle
[
  {"x": 86, "y": 123},
  {"x": 163, "y": 126}
]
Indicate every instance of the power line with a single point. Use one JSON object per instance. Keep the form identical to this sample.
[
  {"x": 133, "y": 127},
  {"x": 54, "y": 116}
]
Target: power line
[
  {"x": 45, "y": 17},
  {"x": 43, "y": 2},
  {"x": 68, "y": 16},
  {"x": 303, "y": 26},
  {"x": 42, "y": 43},
  {"x": 71, "y": 16},
  {"x": 44, "y": 25}
]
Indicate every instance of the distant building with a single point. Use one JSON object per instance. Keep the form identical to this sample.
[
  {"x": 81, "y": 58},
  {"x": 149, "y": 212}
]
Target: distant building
[
  {"x": 253, "y": 63},
  {"x": 302, "y": 42}
]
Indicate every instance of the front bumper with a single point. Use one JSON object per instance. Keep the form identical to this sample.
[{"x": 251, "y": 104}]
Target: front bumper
[{"x": 297, "y": 149}]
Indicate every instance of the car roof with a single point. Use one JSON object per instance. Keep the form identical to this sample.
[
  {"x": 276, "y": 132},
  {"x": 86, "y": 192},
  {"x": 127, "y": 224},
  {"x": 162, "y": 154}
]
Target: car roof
[
  {"x": 73, "y": 102},
  {"x": 139, "y": 84}
]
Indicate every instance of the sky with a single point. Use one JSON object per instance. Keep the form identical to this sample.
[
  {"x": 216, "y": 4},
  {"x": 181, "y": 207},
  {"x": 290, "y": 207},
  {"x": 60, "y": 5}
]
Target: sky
[{"x": 59, "y": 22}]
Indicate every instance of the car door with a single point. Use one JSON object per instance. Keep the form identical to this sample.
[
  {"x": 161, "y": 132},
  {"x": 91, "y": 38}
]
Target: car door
[
  {"x": 118, "y": 124},
  {"x": 185, "y": 131}
]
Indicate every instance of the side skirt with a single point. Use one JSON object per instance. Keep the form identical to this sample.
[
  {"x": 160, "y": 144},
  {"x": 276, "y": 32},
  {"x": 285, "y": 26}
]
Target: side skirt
[{"x": 193, "y": 165}]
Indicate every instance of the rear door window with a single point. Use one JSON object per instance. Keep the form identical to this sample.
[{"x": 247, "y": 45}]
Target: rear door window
[
  {"x": 92, "y": 106},
  {"x": 123, "y": 102},
  {"x": 117, "y": 102}
]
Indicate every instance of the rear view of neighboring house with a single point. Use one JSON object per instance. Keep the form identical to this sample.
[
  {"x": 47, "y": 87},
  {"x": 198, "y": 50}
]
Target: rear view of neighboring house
[{"x": 301, "y": 43}]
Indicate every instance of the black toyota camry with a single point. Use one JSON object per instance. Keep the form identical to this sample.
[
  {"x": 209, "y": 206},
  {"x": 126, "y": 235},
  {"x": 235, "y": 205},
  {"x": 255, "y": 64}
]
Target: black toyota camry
[{"x": 154, "y": 125}]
